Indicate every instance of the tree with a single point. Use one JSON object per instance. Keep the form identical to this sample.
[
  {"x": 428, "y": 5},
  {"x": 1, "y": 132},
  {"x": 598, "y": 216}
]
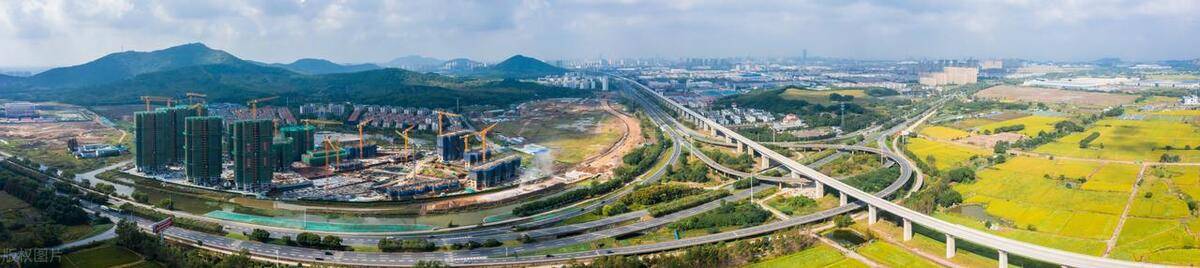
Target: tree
[
  {"x": 431, "y": 264},
  {"x": 1001, "y": 147},
  {"x": 526, "y": 239},
  {"x": 140, "y": 197},
  {"x": 166, "y": 203},
  {"x": 948, "y": 198},
  {"x": 260, "y": 235},
  {"x": 492, "y": 242},
  {"x": 239, "y": 260},
  {"x": 332, "y": 242},
  {"x": 307, "y": 239},
  {"x": 961, "y": 175},
  {"x": 843, "y": 221}
]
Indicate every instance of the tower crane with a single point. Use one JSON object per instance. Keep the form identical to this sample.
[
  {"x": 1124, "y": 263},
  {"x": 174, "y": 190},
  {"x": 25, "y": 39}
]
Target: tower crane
[
  {"x": 466, "y": 148},
  {"x": 361, "y": 139},
  {"x": 254, "y": 105},
  {"x": 148, "y": 99},
  {"x": 332, "y": 148},
  {"x": 192, "y": 96},
  {"x": 441, "y": 116},
  {"x": 483, "y": 138},
  {"x": 405, "y": 135}
]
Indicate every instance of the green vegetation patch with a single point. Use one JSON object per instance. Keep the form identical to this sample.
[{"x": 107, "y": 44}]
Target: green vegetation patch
[{"x": 818, "y": 256}]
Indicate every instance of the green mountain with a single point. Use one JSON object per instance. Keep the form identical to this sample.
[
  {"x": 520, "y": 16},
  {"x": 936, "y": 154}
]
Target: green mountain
[
  {"x": 519, "y": 66},
  {"x": 8, "y": 79},
  {"x": 238, "y": 83},
  {"x": 320, "y": 66},
  {"x": 124, "y": 65}
]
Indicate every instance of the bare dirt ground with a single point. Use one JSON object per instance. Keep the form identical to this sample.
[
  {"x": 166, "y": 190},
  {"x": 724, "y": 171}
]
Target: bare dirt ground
[
  {"x": 610, "y": 158},
  {"x": 991, "y": 140},
  {"x": 55, "y": 135},
  {"x": 1048, "y": 95}
]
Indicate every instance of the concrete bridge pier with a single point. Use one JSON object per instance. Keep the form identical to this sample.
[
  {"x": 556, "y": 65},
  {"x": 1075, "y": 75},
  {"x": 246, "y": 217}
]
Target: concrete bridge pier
[
  {"x": 763, "y": 162},
  {"x": 949, "y": 246},
  {"x": 740, "y": 146},
  {"x": 872, "y": 215},
  {"x": 820, "y": 188},
  {"x": 907, "y": 229},
  {"x": 842, "y": 199},
  {"x": 1002, "y": 259}
]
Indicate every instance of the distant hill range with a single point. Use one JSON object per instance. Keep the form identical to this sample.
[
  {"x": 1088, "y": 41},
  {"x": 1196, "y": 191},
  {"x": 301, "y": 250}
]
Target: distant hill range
[
  {"x": 124, "y": 65},
  {"x": 519, "y": 67},
  {"x": 415, "y": 63},
  {"x": 120, "y": 78},
  {"x": 320, "y": 66}
]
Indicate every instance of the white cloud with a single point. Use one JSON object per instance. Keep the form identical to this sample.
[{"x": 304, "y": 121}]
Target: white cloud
[{"x": 56, "y": 32}]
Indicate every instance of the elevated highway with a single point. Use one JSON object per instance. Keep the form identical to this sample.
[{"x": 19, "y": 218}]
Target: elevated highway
[{"x": 876, "y": 204}]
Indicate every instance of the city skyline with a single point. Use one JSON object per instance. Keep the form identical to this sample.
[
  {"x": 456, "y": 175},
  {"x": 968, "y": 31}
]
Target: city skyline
[{"x": 61, "y": 33}]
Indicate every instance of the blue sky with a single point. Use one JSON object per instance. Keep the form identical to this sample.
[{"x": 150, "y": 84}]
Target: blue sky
[{"x": 54, "y": 32}]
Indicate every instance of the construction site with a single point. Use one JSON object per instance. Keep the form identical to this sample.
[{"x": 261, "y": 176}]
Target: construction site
[{"x": 266, "y": 152}]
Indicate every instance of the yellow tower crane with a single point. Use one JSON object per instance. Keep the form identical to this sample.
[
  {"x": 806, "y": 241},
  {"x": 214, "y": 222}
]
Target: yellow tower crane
[
  {"x": 405, "y": 135},
  {"x": 441, "y": 116},
  {"x": 466, "y": 148},
  {"x": 332, "y": 148},
  {"x": 483, "y": 138},
  {"x": 148, "y": 99},
  {"x": 362, "y": 139},
  {"x": 254, "y": 105},
  {"x": 192, "y": 96}
]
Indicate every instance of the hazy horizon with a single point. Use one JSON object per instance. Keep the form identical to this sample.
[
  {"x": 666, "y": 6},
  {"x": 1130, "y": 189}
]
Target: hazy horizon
[{"x": 59, "y": 33}]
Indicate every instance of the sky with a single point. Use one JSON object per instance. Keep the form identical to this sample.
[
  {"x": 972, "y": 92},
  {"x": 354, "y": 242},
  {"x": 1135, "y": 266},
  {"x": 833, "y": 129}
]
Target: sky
[{"x": 68, "y": 32}]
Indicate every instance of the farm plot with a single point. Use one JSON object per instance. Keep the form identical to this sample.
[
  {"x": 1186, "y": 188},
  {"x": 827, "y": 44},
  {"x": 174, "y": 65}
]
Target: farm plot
[
  {"x": 1048, "y": 95},
  {"x": 1033, "y": 124},
  {"x": 945, "y": 155},
  {"x": 1131, "y": 140},
  {"x": 940, "y": 132},
  {"x": 1029, "y": 196}
]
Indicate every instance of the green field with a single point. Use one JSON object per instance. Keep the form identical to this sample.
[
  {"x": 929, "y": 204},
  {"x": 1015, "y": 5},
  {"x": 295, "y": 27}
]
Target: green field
[
  {"x": 946, "y": 155},
  {"x": 820, "y": 96},
  {"x": 103, "y": 256},
  {"x": 9, "y": 202},
  {"x": 1033, "y": 124},
  {"x": 821, "y": 255},
  {"x": 1130, "y": 140},
  {"x": 892, "y": 255},
  {"x": 945, "y": 133}
]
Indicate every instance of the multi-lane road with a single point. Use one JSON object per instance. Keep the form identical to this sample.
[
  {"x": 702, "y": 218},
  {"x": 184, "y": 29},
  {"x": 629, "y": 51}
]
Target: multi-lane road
[{"x": 953, "y": 231}]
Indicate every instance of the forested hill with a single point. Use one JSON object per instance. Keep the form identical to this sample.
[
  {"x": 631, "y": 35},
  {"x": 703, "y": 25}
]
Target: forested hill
[
  {"x": 121, "y": 78},
  {"x": 241, "y": 82}
]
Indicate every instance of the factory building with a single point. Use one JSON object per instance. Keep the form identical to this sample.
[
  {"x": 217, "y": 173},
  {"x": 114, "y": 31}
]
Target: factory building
[
  {"x": 303, "y": 138},
  {"x": 252, "y": 168},
  {"x": 496, "y": 173},
  {"x": 202, "y": 149},
  {"x": 150, "y": 136},
  {"x": 450, "y": 145},
  {"x": 283, "y": 153}
]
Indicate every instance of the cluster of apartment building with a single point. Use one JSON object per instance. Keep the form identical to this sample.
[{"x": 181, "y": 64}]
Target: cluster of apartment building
[
  {"x": 576, "y": 81},
  {"x": 739, "y": 116},
  {"x": 191, "y": 138},
  {"x": 950, "y": 76}
]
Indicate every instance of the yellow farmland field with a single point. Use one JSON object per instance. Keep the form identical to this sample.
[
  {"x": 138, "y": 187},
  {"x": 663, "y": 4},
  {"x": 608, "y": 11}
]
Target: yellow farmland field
[
  {"x": 1161, "y": 203},
  {"x": 946, "y": 155},
  {"x": 1130, "y": 140},
  {"x": 1033, "y": 124},
  {"x": 1155, "y": 240},
  {"x": 940, "y": 132},
  {"x": 1113, "y": 178}
]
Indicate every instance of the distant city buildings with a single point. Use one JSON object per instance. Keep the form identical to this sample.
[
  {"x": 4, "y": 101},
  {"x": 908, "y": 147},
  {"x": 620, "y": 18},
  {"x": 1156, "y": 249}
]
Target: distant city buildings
[
  {"x": 576, "y": 81},
  {"x": 950, "y": 76},
  {"x": 1190, "y": 100}
]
